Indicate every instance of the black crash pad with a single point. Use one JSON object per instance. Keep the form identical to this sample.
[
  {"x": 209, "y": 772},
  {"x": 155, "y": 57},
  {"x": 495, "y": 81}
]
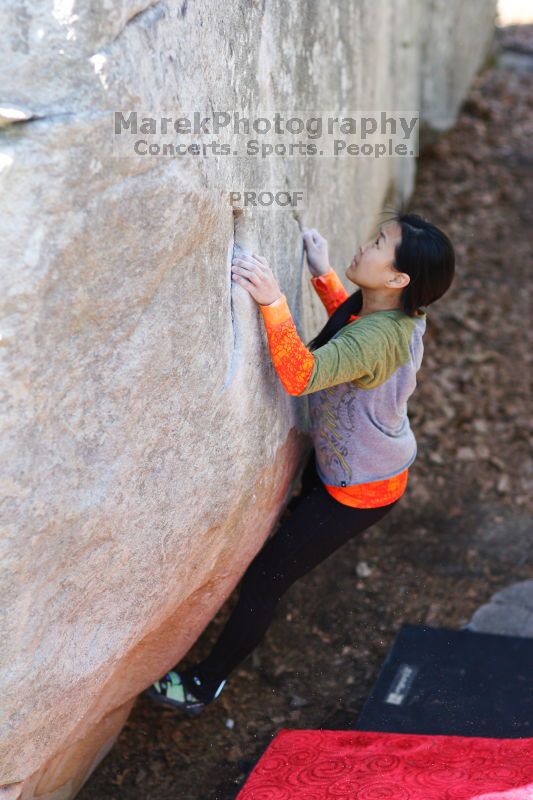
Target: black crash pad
[{"x": 456, "y": 682}]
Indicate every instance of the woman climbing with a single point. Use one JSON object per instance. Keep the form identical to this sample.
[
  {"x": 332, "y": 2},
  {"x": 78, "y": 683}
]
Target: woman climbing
[{"x": 359, "y": 372}]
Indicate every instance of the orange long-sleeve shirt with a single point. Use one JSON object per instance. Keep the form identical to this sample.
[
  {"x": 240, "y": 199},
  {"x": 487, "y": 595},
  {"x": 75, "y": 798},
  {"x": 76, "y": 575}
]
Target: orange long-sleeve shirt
[{"x": 294, "y": 363}]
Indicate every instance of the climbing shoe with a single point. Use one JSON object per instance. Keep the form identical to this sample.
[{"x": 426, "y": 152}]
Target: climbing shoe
[{"x": 170, "y": 691}]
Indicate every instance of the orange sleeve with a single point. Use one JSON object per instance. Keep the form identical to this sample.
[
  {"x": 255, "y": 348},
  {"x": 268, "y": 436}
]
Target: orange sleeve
[
  {"x": 330, "y": 290},
  {"x": 292, "y": 360}
]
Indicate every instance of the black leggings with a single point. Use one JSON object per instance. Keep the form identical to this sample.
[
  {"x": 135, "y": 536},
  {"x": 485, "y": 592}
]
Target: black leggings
[{"x": 317, "y": 526}]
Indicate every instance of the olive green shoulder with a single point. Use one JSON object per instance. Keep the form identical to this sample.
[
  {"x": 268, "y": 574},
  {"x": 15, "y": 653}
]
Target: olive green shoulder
[{"x": 383, "y": 344}]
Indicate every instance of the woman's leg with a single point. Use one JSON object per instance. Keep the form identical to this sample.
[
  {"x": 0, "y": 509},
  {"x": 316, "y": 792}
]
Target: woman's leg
[{"x": 317, "y": 526}]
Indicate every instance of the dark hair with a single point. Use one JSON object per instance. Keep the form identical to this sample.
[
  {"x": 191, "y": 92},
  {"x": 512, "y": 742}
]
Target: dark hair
[{"x": 425, "y": 253}]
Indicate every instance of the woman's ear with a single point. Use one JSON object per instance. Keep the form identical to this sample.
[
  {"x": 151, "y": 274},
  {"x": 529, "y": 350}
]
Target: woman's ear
[{"x": 400, "y": 280}]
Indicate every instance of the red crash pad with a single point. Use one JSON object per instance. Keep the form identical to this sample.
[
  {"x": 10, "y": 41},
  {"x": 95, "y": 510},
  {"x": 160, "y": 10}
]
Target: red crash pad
[{"x": 374, "y": 765}]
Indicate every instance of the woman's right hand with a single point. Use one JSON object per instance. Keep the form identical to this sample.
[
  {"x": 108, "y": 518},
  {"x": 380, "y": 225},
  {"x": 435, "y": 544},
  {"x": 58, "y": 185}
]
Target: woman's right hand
[{"x": 316, "y": 248}]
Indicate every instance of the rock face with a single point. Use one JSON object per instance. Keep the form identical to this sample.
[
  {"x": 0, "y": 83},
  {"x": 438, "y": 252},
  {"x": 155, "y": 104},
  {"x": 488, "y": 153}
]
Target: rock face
[{"x": 147, "y": 446}]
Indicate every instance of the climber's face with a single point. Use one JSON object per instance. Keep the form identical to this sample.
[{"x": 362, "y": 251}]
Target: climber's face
[{"x": 372, "y": 265}]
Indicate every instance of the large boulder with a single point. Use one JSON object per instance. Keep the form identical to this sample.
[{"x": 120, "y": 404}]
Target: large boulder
[{"x": 147, "y": 446}]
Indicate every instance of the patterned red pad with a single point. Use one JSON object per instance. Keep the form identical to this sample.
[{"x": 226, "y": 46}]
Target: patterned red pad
[{"x": 371, "y": 765}]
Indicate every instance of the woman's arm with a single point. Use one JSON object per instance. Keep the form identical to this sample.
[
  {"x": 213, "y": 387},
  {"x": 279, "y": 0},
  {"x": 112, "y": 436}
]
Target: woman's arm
[
  {"x": 329, "y": 288},
  {"x": 324, "y": 278},
  {"x": 363, "y": 353}
]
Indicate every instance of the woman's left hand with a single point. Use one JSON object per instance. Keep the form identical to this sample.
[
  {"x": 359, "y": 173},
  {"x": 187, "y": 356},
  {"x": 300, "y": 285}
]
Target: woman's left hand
[{"x": 254, "y": 274}]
